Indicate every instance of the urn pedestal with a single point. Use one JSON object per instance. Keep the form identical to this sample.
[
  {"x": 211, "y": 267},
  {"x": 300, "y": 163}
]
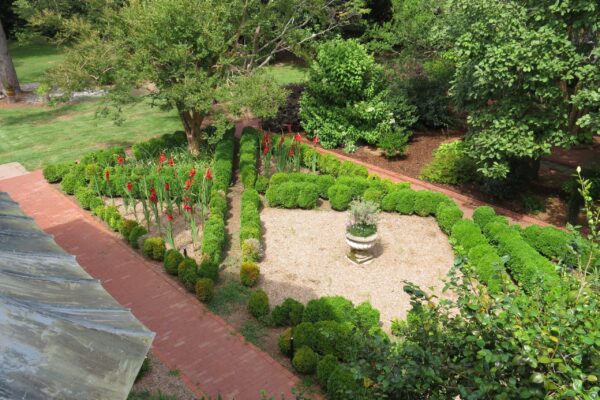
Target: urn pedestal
[{"x": 360, "y": 248}]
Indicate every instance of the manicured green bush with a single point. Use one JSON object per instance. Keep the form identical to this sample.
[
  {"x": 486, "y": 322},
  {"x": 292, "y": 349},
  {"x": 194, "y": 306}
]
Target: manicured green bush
[
  {"x": 494, "y": 224},
  {"x": 187, "y": 271},
  {"x": 389, "y": 202},
  {"x": 340, "y": 197},
  {"x": 249, "y": 157},
  {"x": 84, "y": 196},
  {"x": 450, "y": 165},
  {"x": 358, "y": 184},
  {"x": 172, "y": 260},
  {"x": 329, "y": 164},
  {"x": 325, "y": 368},
  {"x": 249, "y": 273},
  {"x": 467, "y": 234},
  {"x": 331, "y": 337},
  {"x": 223, "y": 162},
  {"x": 258, "y": 304},
  {"x": 134, "y": 237},
  {"x": 305, "y": 360},
  {"x": 447, "y": 214},
  {"x": 342, "y": 385},
  {"x": 209, "y": 269},
  {"x": 284, "y": 342},
  {"x": 487, "y": 264},
  {"x": 54, "y": 173},
  {"x": 104, "y": 157},
  {"x": 251, "y": 196},
  {"x": 324, "y": 182},
  {"x": 126, "y": 227},
  {"x": 218, "y": 204},
  {"x": 251, "y": 250},
  {"x": 213, "y": 238},
  {"x": 155, "y": 248},
  {"x": 308, "y": 196},
  {"x": 373, "y": 194},
  {"x": 72, "y": 181},
  {"x": 426, "y": 202},
  {"x": 406, "y": 201},
  {"x": 365, "y": 316},
  {"x": 288, "y": 313},
  {"x": 482, "y": 215},
  {"x": 262, "y": 184},
  {"x": 328, "y": 308},
  {"x": 349, "y": 168},
  {"x": 552, "y": 243},
  {"x": 95, "y": 202},
  {"x": 205, "y": 289}
]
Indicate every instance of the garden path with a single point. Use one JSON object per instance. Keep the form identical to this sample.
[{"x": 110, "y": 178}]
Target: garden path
[{"x": 210, "y": 356}]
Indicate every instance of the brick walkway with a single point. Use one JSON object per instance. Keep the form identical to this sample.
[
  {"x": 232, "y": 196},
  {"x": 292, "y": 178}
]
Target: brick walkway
[{"x": 211, "y": 357}]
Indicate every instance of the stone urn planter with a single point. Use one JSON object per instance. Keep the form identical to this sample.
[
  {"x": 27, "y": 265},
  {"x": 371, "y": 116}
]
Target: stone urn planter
[{"x": 360, "y": 248}]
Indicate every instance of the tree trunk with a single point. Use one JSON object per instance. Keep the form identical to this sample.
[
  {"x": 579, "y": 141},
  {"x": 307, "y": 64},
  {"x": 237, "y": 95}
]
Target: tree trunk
[
  {"x": 192, "y": 124},
  {"x": 8, "y": 75}
]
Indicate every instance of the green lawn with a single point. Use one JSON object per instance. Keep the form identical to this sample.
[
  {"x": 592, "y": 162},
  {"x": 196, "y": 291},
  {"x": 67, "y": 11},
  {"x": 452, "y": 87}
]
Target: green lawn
[
  {"x": 287, "y": 73},
  {"x": 33, "y": 59},
  {"x": 37, "y": 136}
]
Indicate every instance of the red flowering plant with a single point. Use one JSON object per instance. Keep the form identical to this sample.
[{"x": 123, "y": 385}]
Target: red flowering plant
[
  {"x": 170, "y": 237},
  {"x": 265, "y": 153}
]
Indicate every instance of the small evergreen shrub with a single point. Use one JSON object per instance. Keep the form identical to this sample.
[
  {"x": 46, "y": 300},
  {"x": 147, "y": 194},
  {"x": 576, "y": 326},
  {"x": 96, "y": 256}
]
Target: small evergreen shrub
[
  {"x": 324, "y": 182},
  {"x": 482, "y": 215},
  {"x": 262, "y": 184},
  {"x": 288, "y": 313},
  {"x": 305, "y": 360},
  {"x": 258, "y": 304},
  {"x": 154, "y": 247},
  {"x": 205, "y": 289},
  {"x": 213, "y": 238},
  {"x": 467, "y": 234},
  {"x": 72, "y": 181},
  {"x": 552, "y": 243},
  {"x": 358, "y": 184},
  {"x": 426, "y": 202},
  {"x": 249, "y": 273},
  {"x": 172, "y": 260},
  {"x": 448, "y": 214},
  {"x": 251, "y": 250},
  {"x": 333, "y": 337},
  {"x": 374, "y": 195},
  {"x": 84, "y": 196},
  {"x": 126, "y": 227},
  {"x": 365, "y": 316},
  {"x": 393, "y": 142},
  {"x": 284, "y": 342},
  {"x": 135, "y": 235},
  {"x": 328, "y": 308},
  {"x": 209, "y": 269},
  {"x": 187, "y": 273},
  {"x": 342, "y": 385},
  {"x": 54, "y": 173},
  {"x": 218, "y": 204},
  {"x": 349, "y": 168},
  {"x": 487, "y": 265},
  {"x": 325, "y": 368},
  {"x": 308, "y": 196},
  {"x": 304, "y": 334},
  {"x": 406, "y": 201},
  {"x": 340, "y": 197},
  {"x": 450, "y": 165}
]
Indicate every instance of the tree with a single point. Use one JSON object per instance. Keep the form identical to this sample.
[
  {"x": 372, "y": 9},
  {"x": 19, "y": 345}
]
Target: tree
[
  {"x": 8, "y": 74},
  {"x": 527, "y": 73},
  {"x": 189, "y": 54}
]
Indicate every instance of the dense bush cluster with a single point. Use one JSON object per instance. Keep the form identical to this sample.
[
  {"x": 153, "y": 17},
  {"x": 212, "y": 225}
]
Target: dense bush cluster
[
  {"x": 152, "y": 148},
  {"x": 450, "y": 165},
  {"x": 54, "y": 173},
  {"x": 293, "y": 194},
  {"x": 155, "y": 248},
  {"x": 258, "y": 304},
  {"x": 249, "y": 157},
  {"x": 172, "y": 260}
]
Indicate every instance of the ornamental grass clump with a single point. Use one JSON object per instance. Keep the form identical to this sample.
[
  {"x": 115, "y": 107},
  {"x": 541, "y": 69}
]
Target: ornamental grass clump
[{"x": 363, "y": 218}]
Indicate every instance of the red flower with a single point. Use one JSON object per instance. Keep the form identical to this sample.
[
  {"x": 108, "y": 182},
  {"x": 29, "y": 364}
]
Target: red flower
[
  {"x": 208, "y": 175},
  {"x": 153, "y": 197},
  {"x": 166, "y": 185},
  {"x": 192, "y": 172},
  {"x": 162, "y": 158},
  {"x": 187, "y": 207},
  {"x": 266, "y": 139},
  {"x": 129, "y": 186},
  {"x": 171, "y": 162},
  {"x": 169, "y": 216},
  {"x": 266, "y": 150},
  {"x": 291, "y": 152},
  {"x": 297, "y": 137},
  {"x": 188, "y": 184},
  {"x": 107, "y": 175},
  {"x": 120, "y": 160},
  {"x": 316, "y": 140}
]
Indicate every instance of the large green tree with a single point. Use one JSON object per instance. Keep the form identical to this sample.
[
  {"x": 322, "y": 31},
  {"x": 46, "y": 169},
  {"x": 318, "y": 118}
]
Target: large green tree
[
  {"x": 527, "y": 73},
  {"x": 200, "y": 57}
]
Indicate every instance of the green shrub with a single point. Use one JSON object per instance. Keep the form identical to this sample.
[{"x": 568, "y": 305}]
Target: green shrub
[
  {"x": 213, "y": 238},
  {"x": 389, "y": 202},
  {"x": 342, "y": 385},
  {"x": 126, "y": 227},
  {"x": 304, "y": 334},
  {"x": 498, "y": 222},
  {"x": 258, "y": 304},
  {"x": 172, "y": 260},
  {"x": 134, "y": 237},
  {"x": 84, "y": 196},
  {"x": 308, "y": 196},
  {"x": 450, "y": 165},
  {"x": 324, "y": 182},
  {"x": 552, "y": 243},
  {"x": 482, "y": 215},
  {"x": 72, "y": 181},
  {"x": 328, "y": 308},
  {"x": 95, "y": 202},
  {"x": 365, "y": 316},
  {"x": 340, "y": 197},
  {"x": 262, "y": 184},
  {"x": 205, "y": 289},
  {"x": 487, "y": 264},
  {"x": 467, "y": 234},
  {"x": 187, "y": 271},
  {"x": 54, "y": 173},
  {"x": 251, "y": 250},
  {"x": 218, "y": 204},
  {"x": 251, "y": 196},
  {"x": 448, "y": 214},
  {"x": 426, "y": 202},
  {"x": 154, "y": 247},
  {"x": 393, "y": 142},
  {"x": 349, "y": 168},
  {"x": 284, "y": 342},
  {"x": 249, "y": 273},
  {"x": 329, "y": 164},
  {"x": 358, "y": 184},
  {"x": 325, "y": 368},
  {"x": 374, "y": 195},
  {"x": 104, "y": 157},
  {"x": 288, "y": 313},
  {"x": 153, "y": 147},
  {"x": 406, "y": 201},
  {"x": 209, "y": 269},
  {"x": 331, "y": 337},
  {"x": 305, "y": 360}
]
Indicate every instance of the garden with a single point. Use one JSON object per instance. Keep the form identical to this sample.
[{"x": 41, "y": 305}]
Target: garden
[{"x": 275, "y": 207}]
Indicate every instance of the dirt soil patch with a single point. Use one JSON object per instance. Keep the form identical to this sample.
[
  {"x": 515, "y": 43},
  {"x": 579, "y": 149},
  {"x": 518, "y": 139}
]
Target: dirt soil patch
[
  {"x": 161, "y": 378},
  {"x": 305, "y": 258}
]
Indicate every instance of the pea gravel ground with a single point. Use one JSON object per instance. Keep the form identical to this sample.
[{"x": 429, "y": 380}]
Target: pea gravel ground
[{"x": 305, "y": 258}]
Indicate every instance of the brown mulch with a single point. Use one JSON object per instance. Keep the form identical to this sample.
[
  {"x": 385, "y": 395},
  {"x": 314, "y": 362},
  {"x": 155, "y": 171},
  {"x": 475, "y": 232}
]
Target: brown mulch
[{"x": 161, "y": 378}]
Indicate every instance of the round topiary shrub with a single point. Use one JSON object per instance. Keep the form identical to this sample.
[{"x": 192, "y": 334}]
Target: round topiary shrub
[
  {"x": 135, "y": 235},
  {"x": 324, "y": 182},
  {"x": 209, "y": 269},
  {"x": 342, "y": 385},
  {"x": 258, "y": 304},
  {"x": 389, "y": 202},
  {"x": 287, "y": 313},
  {"x": 262, "y": 184},
  {"x": 305, "y": 334},
  {"x": 249, "y": 273},
  {"x": 72, "y": 181},
  {"x": 84, "y": 196},
  {"x": 187, "y": 273},
  {"x": 127, "y": 226},
  {"x": 329, "y": 308},
  {"x": 54, "y": 173},
  {"x": 172, "y": 260},
  {"x": 325, "y": 368},
  {"x": 366, "y": 316},
  {"x": 95, "y": 202},
  {"x": 448, "y": 214},
  {"x": 375, "y": 195},
  {"x": 154, "y": 247},
  {"x": 205, "y": 289},
  {"x": 251, "y": 250},
  {"x": 424, "y": 203},
  {"x": 340, "y": 197},
  {"x": 285, "y": 342},
  {"x": 482, "y": 215},
  {"x": 308, "y": 196},
  {"x": 406, "y": 201},
  {"x": 305, "y": 360}
]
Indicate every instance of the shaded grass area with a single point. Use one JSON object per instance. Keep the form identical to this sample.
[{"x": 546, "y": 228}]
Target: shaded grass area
[
  {"x": 38, "y": 136},
  {"x": 253, "y": 331},
  {"x": 31, "y": 60},
  {"x": 228, "y": 297},
  {"x": 285, "y": 74},
  {"x": 146, "y": 395}
]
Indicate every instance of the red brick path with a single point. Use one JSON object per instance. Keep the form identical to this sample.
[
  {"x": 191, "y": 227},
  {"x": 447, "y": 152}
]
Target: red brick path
[{"x": 211, "y": 357}]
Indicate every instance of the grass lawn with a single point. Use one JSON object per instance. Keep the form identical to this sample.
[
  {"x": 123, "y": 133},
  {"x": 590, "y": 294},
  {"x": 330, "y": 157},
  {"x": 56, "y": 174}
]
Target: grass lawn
[
  {"x": 33, "y": 59},
  {"x": 287, "y": 73},
  {"x": 37, "y": 136}
]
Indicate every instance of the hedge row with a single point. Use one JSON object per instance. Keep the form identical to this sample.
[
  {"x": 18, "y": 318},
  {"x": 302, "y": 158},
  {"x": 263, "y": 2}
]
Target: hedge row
[
  {"x": 223, "y": 162},
  {"x": 323, "y": 182},
  {"x": 528, "y": 267},
  {"x": 249, "y": 157},
  {"x": 329, "y": 164},
  {"x": 293, "y": 195}
]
